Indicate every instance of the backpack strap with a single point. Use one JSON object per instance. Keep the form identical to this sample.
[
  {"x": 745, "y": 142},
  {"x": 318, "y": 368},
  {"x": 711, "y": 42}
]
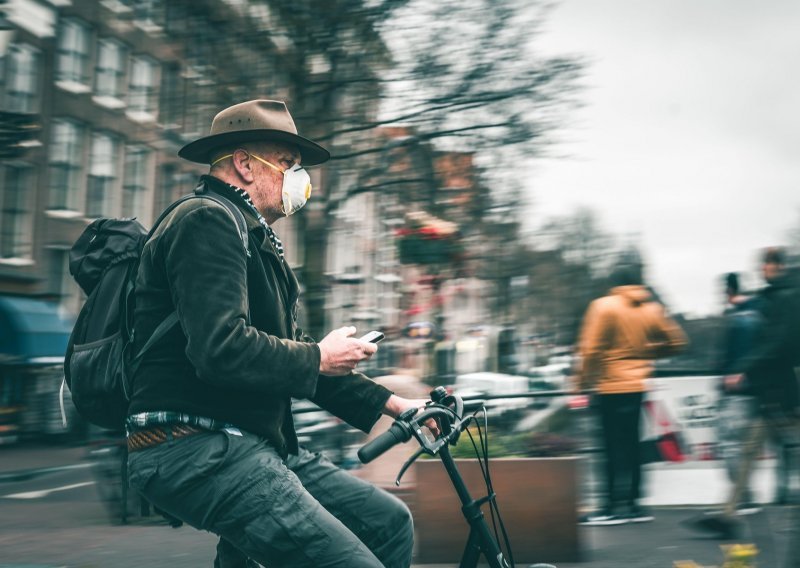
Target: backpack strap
[
  {"x": 201, "y": 191},
  {"x": 238, "y": 217},
  {"x": 159, "y": 332}
]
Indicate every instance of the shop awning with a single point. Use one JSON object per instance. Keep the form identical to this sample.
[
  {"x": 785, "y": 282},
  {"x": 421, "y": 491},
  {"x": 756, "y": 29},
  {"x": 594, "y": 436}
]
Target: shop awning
[{"x": 32, "y": 331}]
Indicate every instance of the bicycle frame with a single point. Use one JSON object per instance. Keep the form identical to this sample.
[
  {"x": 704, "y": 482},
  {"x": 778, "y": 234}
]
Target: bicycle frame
[{"x": 480, "y": 539}]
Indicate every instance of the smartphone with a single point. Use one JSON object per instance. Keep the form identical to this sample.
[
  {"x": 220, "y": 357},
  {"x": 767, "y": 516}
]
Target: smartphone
[{"x": 373, "y": 337}]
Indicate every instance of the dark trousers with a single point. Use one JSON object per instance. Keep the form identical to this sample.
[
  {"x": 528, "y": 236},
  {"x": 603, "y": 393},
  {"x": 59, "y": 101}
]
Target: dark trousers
[
  {"x": 299, "y": 511},
  {"x": 620, "y": 415}
]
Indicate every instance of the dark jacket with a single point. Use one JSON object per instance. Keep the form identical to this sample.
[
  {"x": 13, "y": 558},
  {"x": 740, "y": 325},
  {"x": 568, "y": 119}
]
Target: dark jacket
[
  {"x": 741, "y": 328},
  {"x": 776, "y": 351},
  {"x": 237, "y": 355}
]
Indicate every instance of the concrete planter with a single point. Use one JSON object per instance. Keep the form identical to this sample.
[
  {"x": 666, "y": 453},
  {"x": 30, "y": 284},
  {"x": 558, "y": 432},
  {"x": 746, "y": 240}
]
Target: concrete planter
[{"x": 537, "y": 498}]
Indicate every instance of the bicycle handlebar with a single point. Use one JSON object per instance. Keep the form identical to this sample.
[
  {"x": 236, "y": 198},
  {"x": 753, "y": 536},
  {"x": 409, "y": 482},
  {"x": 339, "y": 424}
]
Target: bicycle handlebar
[
  {"x": 397, "y": 433},
  {"x": 410, "y": 424}
]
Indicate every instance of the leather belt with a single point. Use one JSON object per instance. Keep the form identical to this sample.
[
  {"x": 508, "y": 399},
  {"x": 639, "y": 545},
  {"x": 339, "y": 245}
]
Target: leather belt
[{"x": 155, "y": 435}]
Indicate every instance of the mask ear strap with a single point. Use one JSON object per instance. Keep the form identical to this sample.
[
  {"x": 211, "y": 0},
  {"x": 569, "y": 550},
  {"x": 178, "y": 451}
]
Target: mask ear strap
[
  {"x": 263, "y": 161},
  {"x": 215, "y": 162}
]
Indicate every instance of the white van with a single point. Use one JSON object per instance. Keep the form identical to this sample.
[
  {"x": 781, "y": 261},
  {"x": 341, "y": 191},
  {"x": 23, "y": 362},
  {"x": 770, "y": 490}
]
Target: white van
[{"x": 494, "y": 384}]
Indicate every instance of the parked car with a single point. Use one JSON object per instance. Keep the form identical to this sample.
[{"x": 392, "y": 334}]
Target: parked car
[
  {"x": 549, "y": 377},
  {"x": 495, "y": 385}
]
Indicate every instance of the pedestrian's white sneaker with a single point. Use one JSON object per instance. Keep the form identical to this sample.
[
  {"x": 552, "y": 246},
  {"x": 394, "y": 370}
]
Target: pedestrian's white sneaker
[{"x": 603, "y": 519}]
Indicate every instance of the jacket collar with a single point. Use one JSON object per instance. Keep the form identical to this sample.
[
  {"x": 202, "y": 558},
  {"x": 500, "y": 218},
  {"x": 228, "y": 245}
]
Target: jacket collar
[
  {"x": 255, "y": 221},
  {"x": 218, "y": 186}
]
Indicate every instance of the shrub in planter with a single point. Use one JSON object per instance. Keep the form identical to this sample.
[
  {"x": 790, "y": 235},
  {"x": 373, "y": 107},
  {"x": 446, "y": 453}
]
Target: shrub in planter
[{"x": 525, "y": 444}]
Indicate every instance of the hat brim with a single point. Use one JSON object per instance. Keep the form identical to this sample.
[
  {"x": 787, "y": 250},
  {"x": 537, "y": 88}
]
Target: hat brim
[{"x": 200, "y": 150}]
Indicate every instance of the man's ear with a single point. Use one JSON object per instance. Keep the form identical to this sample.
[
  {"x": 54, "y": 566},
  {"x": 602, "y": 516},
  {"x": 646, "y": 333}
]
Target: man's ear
[{"x": 243, "y": 165}]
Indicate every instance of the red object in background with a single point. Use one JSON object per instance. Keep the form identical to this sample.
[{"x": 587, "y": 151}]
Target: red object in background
[
  {"x": 668, "y": 442},
  {"x": 427, "y": 279},
  {"x": 578, "y": 401},
  {"x": 414, "y": 310},
  {"x": 670, "y": 447}
]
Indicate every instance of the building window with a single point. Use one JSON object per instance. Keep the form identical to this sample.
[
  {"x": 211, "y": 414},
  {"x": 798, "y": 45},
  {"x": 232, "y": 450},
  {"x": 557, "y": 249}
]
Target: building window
[
  {"x": 141, "y": 89},
  {"x": 102, "y": 175},
  {"x": 60, "y": 284},
  {"x": 66, "y": 164},
  {"x": 16, "y": 218},
  {"x": 72, "y": 63},
  {"x": 173, "y": 183},
  {"x": 110, "y": 70},
  {"x": 149, "y": 15},
  {"x": 134, "y": 189},
  {"x": 58, "y": 273},
  {"x": 22, "y": 79},
  {"x": 172, "y": 97}
]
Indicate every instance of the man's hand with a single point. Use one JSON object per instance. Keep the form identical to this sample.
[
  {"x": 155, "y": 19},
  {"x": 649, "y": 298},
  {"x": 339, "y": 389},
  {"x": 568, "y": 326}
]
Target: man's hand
[
  {"x": 396, "y": 405},
  {"x": 340, "y": 352}
]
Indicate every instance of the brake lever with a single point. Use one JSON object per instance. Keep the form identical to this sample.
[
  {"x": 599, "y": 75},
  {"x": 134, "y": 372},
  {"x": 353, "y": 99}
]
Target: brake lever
[
  {"x": 408, "y": 463},
  {"x": 458, "y": 411}
]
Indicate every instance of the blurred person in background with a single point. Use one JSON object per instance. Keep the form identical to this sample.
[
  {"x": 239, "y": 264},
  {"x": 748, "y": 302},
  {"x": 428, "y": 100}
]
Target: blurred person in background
[
  {"x": 622, "y": 334},
  {"x": 771, "y": 374},
  {"x": 737, "y": 407},
  {"x": 210, "y": 434}
]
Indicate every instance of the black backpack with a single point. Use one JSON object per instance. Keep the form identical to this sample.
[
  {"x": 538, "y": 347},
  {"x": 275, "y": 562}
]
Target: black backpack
[{"x": 99, "y": 359}]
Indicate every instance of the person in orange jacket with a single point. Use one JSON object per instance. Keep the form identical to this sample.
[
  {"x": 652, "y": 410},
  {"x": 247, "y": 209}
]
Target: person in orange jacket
[{"x": 623, "y": 333}]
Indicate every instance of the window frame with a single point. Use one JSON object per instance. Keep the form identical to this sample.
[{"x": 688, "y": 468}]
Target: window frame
[
  {"x": 115, "y": 76},
  {"x": 98, "y": 180},
  {"x": 22, "y": 239},
  {"x": 135, "y": 181},
  {"x": 72, "y": 62},
  {"x": 69, "y": 169},
  {"x": 32, "y": 96},
  {"x": 142, "y": 98}
]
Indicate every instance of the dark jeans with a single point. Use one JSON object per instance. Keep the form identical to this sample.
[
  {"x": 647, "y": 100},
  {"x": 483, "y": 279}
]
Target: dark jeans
[
  {"x": 298, "y": 511},
  {"x": 620, "y": 415},
  {"x": 736, "y": 413}
]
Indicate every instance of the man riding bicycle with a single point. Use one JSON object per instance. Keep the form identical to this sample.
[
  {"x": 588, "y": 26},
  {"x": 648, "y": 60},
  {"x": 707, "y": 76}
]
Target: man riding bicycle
[{"x": 210, "y": 430}]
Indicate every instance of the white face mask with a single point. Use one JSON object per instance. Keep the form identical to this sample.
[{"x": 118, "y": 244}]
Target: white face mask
[
  {"x": 296, "y": 189},
  {"x": 296, "y": 186}
]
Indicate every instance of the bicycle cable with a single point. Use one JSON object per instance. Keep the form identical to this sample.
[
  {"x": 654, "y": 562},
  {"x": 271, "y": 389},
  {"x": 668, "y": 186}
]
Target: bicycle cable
[{"x": 483, "y": 462}]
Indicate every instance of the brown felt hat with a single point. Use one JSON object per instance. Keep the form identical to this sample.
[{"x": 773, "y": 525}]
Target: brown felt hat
[{"x": 253, "y": 121}]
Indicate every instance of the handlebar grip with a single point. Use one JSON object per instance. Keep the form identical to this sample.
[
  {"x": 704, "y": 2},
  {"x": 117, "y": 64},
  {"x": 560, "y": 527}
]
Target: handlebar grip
[{"x": 396, "y": 434}]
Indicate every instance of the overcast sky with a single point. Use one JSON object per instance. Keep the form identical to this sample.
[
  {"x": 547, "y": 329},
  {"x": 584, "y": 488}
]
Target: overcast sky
[{"x": 690, "y": 136}]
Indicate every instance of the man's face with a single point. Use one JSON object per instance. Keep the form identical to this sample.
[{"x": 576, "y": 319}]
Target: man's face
[
  {"x": 771, "y": 270},
  {"x": 266, "y": 189}
]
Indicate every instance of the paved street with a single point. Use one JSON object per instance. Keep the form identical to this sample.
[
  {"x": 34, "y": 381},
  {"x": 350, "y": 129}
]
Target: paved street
[
  {"x": 51, "y": 514},
  {"x": 56, "y": 519}
]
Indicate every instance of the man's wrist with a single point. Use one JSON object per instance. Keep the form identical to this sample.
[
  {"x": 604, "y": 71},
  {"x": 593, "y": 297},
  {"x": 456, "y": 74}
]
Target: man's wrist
[{"x": 393, "y": 406}]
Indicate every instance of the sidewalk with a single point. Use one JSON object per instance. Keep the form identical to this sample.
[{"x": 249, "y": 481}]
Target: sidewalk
[{"x": 663, "y": 542}]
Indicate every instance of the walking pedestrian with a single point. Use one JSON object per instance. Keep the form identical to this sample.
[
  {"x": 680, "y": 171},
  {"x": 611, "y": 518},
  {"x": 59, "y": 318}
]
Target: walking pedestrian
[
  {"x": 770, "y": 370},
  {"x": 737, "y": 406}
]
